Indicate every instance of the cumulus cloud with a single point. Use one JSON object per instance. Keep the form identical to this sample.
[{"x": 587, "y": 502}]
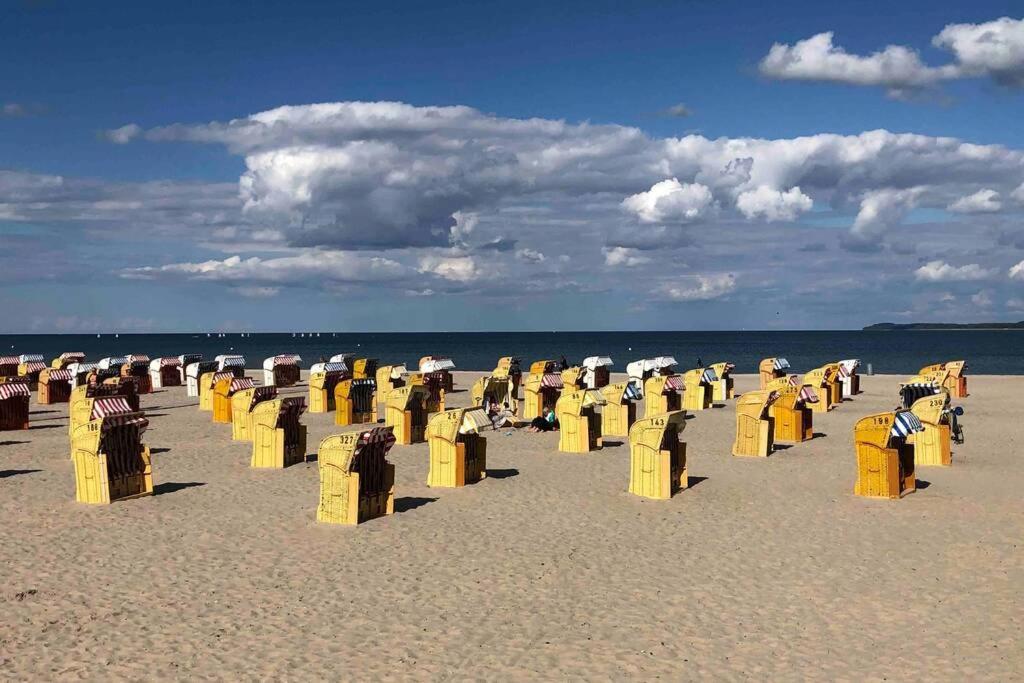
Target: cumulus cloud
[
  {"x": 698, "y": 287},
  {"x": 678, "y": 111},
  {"x": 671, "y": 202},
  {"x": 624, "y": 256},
  {"x": 982, "y": 299},
  {"x": 124, "y": 134},
  {"x": 1016, "y": 272},
  {"x": 982, "y": 201},
  {"x": 940, "y": 271},
  {"x": 530, "y": 256},
  {"x": 454, "y": 268},
  {"x": 881, "y": 210},
  {"x": 993, "y": 49},
  {"x": 773, "y": 205}
]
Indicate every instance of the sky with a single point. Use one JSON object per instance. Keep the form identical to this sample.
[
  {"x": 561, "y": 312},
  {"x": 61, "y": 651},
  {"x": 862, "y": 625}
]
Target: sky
[{"x": 215, "y": 166}]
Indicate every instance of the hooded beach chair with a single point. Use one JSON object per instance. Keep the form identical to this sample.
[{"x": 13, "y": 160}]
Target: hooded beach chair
[
  {"x": 357, "y": 483},
  {"x": 722, "y": 388},
  {"x": 496, "y": 390},
  {"x": 939, "y": 426},
  {"x": 918, "y": 386},
  {"x": 207, "y": 387},
  {"x": 772, "y": 368},
  {"x": 825, "y": 381},
  {"x": 579, "y": 423},
  {"x": 110, "y": 367},
  {"x": 755, "y": 435},
  {"x": 54, "y": 386},
  {"x": 442, "y": 364},
  {"x": 83, "y": 397},
  {"x": 458, "y": 454},
  {"x": 510, "y": 367},
  {"x": 885, "y": 457},
  {"x": 137, "y": 368},
  {"x": 953, "y": 377},
  {"x": 389, "y": 377},
  {"x": 406, "y": 413},
  {"x": 698, "y": 388},
  {"x": 224, "y": 391},
  {"x": 364, "y": 368},
  {"x": 355, "y": 401},
  {"x": 541, "y": 388},
  {"x": 435, "y": 383},
  {"x": 849, "y": 378},
  {"x": 278, "y": 437},
  {"x": 165, "y": 372},
  {"x": 232, "y": 363},
  {"x": 194, "y": 372},
  {"x": 597, "y": 371},
  {"x": 185, "y": 360},
  {"x": 639, "y": 371},
  {"x": 80, "y": 372},
  {"x": 792, "y": 419},
  {"x": 661, "y": 394},
  {"x": 573, "y": 378},
  {"x": 110, "y": 460},
  {"x": 65, "y": 359},
  {"x": 30, "y": 367},
  {"x": 14, "y": 399},
  {"x": 243, "y": 403},
  {"x": 657, "y": 458},
  {"x": 323, "y": 378},
  {"x": 619, "y": 411},
  {"x": 281, "y": 370},
  {"x": 9, "y": 366}
]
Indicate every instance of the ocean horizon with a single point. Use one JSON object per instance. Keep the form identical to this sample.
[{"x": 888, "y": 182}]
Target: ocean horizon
[{"x": 892, "y": 352}]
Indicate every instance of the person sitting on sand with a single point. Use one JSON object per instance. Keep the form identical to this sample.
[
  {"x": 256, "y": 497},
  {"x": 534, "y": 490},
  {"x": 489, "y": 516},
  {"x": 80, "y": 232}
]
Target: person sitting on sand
[
  {"x": 500, "y": 417},
  {"x": 544, "y": 423}
]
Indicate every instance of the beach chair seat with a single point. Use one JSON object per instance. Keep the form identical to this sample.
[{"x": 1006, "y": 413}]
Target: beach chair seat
[
  {"x": 772, "y": 368},
  {"x": 14, "y": 400},
  {"x": 619, "y": 412},
  {"x": 541, "y": 389},
  {"x": 755, "y": 433},
  {"x": 933, "y": 443},
  {"x": 54, "y": 386},
  {"x": 223, "y": 394},
  {"x": 207, "y": 385},
  {"x": 722, "y": 388},
  {"x": 278, "y": 436},
  {"x": 281, "y": 370},
  {"x": 497, "y": 390},
  {"x": 661, "y": 394},
  {"x": 792, "y": 418},
  {"x": 579, "y": 422},
  {"x": 458, "y": 453},
  {"x": 323, "y": 378},
  {"x": 355, "y": 401},
  {"x": 110, "y": 460},
  {"x": 885, "y": 458},
  {"x": 357, "y": 483},
  {"x": 406, "y": 413},
  {"x": 657, "y": 457},
  {"x": 243, "y": 402}
]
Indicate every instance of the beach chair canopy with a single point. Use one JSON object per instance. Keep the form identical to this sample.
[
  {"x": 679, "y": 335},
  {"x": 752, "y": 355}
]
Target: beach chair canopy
[
  {"x": 165, "y": 362},
  {"x": 398, "y": 371},
  {"x": 552, "y": 380},
  {"x": 328, "y": 367},
  {"x": 79, "y": 368},
  {"x": 708, "y": 376},
  {"x": 57, "y": 375},
  {"x": 639, "y": 368},
  {"x": 849, "y": 366},
  {"x": 138, "y": 358},
  {"x": 71, "y": 356},
  {"x": 435, "y": 364},
  {"x": 917, "y": 388},
  {"x": 474, "y": 420},
  {"x": 229, "y": 361},
  {"x": 343, "y": 358},
  {"x": 281, "y": 359},
  {"x": 187, "y": 359},
  {"x": 30, "y": 358},
  {"x": 33, "y": 366},
  {"x": 13, "y": 389},
  {"x": 240, "y": 384},
  {"x": 673, "y": 383},
  {"x": 905, "y": 423},
  {"x": 199, "y": 369},
  {"x": 261, "y": 394},
  {"x": 594, "y": 362},
  {"x": 111, "y": 362},
  {"x": 543, "y": 366}
]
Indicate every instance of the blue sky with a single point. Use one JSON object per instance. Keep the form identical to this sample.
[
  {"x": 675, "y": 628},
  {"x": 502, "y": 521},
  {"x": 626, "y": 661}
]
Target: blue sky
[{"x": 130, "y": 216}]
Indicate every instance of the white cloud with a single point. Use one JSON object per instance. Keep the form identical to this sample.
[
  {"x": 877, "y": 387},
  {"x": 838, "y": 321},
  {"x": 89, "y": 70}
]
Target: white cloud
[
  {"x": 1018, "y": 194},
  {"x": 982, "y": 201},
  {"x": 530, "y": 256},
  {"x": 624, "y": 256},
  {"x": 124, "y": 134},
  {"x": 699, "y": 287},
  {"x": 1016, "y": 272},
  {"x": 993, "y": 49},
  {"x": 454, "y": 268},
  {"x": 1015, "y": 304},
  {"x": 982, "y": 299},
  {"x": 671, "y": 202},
  {"x": 881, "y": 210},
  {"x": 773, "y": 205},
  {"x": 679, "y": 111},
  {"x": 258, "y": 292},
  {"x": 465, "y": 223},
  {"x": 940, "y": 271}
]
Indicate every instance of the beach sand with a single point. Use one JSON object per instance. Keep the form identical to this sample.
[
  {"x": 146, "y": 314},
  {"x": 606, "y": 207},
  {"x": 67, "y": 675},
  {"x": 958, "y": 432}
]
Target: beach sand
[{"x": 764, "y": 568}]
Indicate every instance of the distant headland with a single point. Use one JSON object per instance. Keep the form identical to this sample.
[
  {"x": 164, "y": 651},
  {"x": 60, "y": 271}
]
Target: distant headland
[{"x": 885, "y": 327}]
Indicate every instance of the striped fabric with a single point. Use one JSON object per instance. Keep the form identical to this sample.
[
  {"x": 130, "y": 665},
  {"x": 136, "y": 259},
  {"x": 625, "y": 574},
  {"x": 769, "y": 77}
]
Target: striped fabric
[
  {"x": 709, "y": 376},
  {"x": 781, "y": 364},
  {"x": 13, "y": 389},
  {"x": 793, "y": 380},
  {"x": 286, "y": 359},
  {"x": 60, "y": 375},
  {"x": 108, "y": 363},
  {"x": 905, "y": 424},
  {"x": 293, "y": 405},
  {"x": 674, "y": 383},
  {"x": 187, "y": 359},
  {"x": 437, "y": 364},
  {"x": 138, "y": 358},
  {"x": 807, "y": 395},
  {"x": 218, "y": 376},
  {"x": 474, "y": 420},
  {"x": 384, "y": 435},
  {"x": 34, "y": 366},
  {"x": 30, "y": 358},
  {"x": 170, "y": 362},
  {"x": 10, "y": 360},
  {"x": 334, "y": 367},
  {"x": 82, "y": 367},
  {"x": 631, "y": 393},
  {"x": 343, "y": 358},
  {"x": 909, "y": 393},
  {"x": 109, "y": 405},
  {"x": 552, "y": 381},
  {"x": 843, "y": 372},
  {"x": 240, "y": 384},
  {"x": 261, "y": 394},
  {"x": 231, "y": 361},
  {"x": 137, "y": 420},
  {"x": 72, "y": 355}
]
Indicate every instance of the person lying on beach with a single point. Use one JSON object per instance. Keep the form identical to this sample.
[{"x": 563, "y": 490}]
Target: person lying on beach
[
  {"x": 500, "y": 417},
  {"x": 544, "y": 423}
]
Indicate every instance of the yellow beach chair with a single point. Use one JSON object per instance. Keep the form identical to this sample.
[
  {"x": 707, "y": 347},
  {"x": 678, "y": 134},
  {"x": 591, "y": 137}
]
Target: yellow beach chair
[
  {"x": 792, "y": 419},
  {"x": 619, "y": 411},
  {"x": 661, "y": 394},
  {"x": 755, "y": 435},
  {"x": 407, "y": 413},
  {"x": 14, "y": 400},
  {"x": 885, "y": 459},
  {"x": 54, "y": 386},
  {"x": 110, "y": 460},
  {"x": 357, "y": 483},
  {"x": 458, "y": 453},
  {"x": 223, "y": 397},
  {"x": 355, "y": 402},
  {"x": 657, "y": 458},
  {"x": 278, "y": 437},
  {"x": 772, "y": 368},
  {"x": 243, "y": 402},
  {"x": 698, "y": 388},
  {"x": 30, "y": 367},
  {"x": 723, "y": 387},
  {"x": 323, "y": 378},
  {"x": 65, "y": 359},
  {"x": 579, "y": 423},
  {"x": 541, "y": 389}
]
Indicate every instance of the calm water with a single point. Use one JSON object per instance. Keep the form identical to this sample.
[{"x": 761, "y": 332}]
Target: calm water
[{"x": 986, "y": 351}]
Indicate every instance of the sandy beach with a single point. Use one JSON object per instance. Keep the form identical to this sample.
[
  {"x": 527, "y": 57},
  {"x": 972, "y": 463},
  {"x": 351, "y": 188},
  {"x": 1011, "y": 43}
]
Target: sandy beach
[{"x": 549, "y": 569}]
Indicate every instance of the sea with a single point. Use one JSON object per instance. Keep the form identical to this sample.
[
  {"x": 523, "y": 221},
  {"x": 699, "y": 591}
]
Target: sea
[{"x": 889, "y": 352}]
